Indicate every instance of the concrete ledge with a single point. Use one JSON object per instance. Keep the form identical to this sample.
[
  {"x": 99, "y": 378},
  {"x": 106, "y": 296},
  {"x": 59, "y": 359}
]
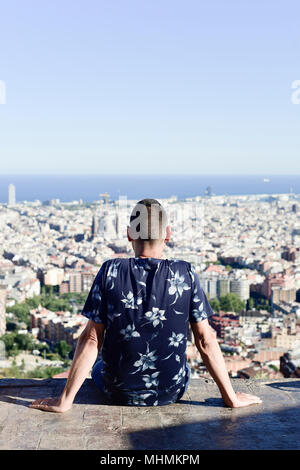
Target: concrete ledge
[{"x": 198, "y": 421}]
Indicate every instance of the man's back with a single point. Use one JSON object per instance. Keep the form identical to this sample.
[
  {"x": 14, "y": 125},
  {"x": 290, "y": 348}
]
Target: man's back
[
  {"x": 138, "y": 310},
  {"x": 145, "y": 304}
]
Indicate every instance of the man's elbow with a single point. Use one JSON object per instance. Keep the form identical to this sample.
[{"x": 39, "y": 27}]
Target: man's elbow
[
  {"x": 88, "y": 339},
  {"x": 205, "y": 342},
  {"x": 93, "y": 335}
]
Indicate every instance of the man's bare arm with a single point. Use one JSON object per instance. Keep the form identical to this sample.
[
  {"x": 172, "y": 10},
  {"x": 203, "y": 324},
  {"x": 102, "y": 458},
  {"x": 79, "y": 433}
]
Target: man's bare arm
[
  {"x": 87, "y": 348},
  {"x": 207, "y": 344}
]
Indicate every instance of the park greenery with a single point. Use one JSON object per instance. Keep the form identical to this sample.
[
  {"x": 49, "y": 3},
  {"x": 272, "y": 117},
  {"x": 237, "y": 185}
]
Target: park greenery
[
  {"x": 40, "y": 372},
  {"x": 17, "y": 342},
  {"x": 259, "y": 303},
  {"x": 232, "y": 303},
  {"x": 63, "y": 349},
  {"x": 49, "y": 300},
  {"x": 228, "y": 303}
]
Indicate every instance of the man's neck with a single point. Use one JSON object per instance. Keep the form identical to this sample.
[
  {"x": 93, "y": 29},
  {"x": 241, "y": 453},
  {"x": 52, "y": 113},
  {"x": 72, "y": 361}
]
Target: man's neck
[
  {"x": 147, "y": 252},
  {"x": 148, "y": 256}
]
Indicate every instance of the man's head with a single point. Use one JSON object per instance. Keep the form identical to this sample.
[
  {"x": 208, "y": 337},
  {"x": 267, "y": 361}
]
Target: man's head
[{"x": 148, "y": 224}]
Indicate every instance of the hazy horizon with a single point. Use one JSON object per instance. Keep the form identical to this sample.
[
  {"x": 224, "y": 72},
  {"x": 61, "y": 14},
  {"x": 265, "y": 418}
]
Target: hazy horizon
[
  {"x": 265, "y": 174},
  {"x": 137, "y": 186}
]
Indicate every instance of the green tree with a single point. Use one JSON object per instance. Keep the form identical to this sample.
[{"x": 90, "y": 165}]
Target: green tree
[
  {"x": 12, "y": 371},
  {"x": 53, "y": 356},
  {"x": 41, "y": 372},
  {"x": 43, "y": 347},
  {"x": 55, "y": 304},
  {"x": 63, "y": 349},
  {"x": 11, "y": 326},
  {"x": 24, "y": 341},
  {"x": 251, "y": 303},
  {"x": 215, "y": 305},
  {"x": 9, "y": 341},
  {"x": 21, "y": 311},
  {"x": 34, "y": 302},
  {"x": 231, "y": 303}
]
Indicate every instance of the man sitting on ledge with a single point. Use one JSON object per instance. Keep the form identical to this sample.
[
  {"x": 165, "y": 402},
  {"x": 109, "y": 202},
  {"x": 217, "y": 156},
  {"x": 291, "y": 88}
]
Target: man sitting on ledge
[{"x": 138, "y": 310}]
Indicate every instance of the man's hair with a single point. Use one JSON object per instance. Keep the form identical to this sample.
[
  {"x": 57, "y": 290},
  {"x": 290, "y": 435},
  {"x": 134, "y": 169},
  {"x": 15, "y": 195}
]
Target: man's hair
[{"x": 148, "y": 221}]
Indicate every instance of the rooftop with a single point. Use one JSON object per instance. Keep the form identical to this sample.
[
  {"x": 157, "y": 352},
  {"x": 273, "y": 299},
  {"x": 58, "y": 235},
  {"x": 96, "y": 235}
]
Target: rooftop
[{"x": 198, "y": 421}]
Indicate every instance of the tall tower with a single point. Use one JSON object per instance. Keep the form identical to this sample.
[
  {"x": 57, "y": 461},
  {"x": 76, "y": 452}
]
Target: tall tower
[
  {"x": 117, "y": 224},
  {"x": 94, "y": 228},
  {"x": 2, "y": 309},
  {"x": 11, "y": 195}
]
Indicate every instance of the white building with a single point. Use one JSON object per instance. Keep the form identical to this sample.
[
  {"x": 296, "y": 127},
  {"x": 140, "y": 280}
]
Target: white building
[{"x": 241, "y": 288}]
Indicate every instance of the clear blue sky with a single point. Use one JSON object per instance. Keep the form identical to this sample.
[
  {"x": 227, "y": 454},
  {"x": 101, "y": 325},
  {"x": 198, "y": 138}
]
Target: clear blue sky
[{"x": 159, "y": 86}]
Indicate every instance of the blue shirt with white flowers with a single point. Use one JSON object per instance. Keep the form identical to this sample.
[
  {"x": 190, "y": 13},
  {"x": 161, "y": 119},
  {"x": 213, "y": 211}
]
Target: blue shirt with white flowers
[{"x": 145, "y": 304}]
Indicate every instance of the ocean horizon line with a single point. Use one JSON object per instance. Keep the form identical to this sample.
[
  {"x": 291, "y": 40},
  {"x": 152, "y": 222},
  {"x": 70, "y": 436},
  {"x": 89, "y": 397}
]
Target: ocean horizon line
[
  {"x": 71, "y": 187},
  {"x": 153, "y": 174}
]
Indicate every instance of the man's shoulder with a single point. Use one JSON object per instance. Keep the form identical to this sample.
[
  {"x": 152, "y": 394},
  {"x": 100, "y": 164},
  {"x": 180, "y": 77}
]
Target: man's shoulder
[
  {"x": 119, "y": 262},
  {"x": 107, "y": 265},
  {"x": 180, "y": 262},
  {"x": 114, "y": 262}
]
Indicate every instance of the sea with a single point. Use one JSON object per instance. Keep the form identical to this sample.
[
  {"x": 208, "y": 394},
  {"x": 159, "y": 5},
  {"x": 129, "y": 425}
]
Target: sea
[{"x": 68, "y": 188}]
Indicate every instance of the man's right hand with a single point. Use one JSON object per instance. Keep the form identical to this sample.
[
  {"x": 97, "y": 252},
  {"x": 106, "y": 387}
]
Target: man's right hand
[{"x": 243, "y": 399}]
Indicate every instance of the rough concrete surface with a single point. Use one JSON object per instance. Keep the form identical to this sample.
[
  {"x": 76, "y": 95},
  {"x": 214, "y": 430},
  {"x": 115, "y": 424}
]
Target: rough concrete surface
[{"x": 198, "y": 421}]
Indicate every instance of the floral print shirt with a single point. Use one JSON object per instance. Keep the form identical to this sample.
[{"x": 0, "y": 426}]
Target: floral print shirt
[{"x": 145, "y": 304}]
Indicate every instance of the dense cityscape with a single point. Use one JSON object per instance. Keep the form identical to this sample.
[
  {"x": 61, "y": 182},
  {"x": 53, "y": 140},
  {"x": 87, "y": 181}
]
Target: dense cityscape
[{"x": 245, "y": 249}]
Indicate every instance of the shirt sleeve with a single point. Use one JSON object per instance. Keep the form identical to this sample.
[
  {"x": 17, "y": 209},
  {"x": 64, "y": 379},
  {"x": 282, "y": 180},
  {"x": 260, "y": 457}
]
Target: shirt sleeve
[
  {"x": 200, "y": 308},
  {"x": 95, "y": 306}
]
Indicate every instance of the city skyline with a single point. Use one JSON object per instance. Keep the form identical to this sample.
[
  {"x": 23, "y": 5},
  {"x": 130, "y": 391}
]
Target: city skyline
[{"x": 245, "y": 251}]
